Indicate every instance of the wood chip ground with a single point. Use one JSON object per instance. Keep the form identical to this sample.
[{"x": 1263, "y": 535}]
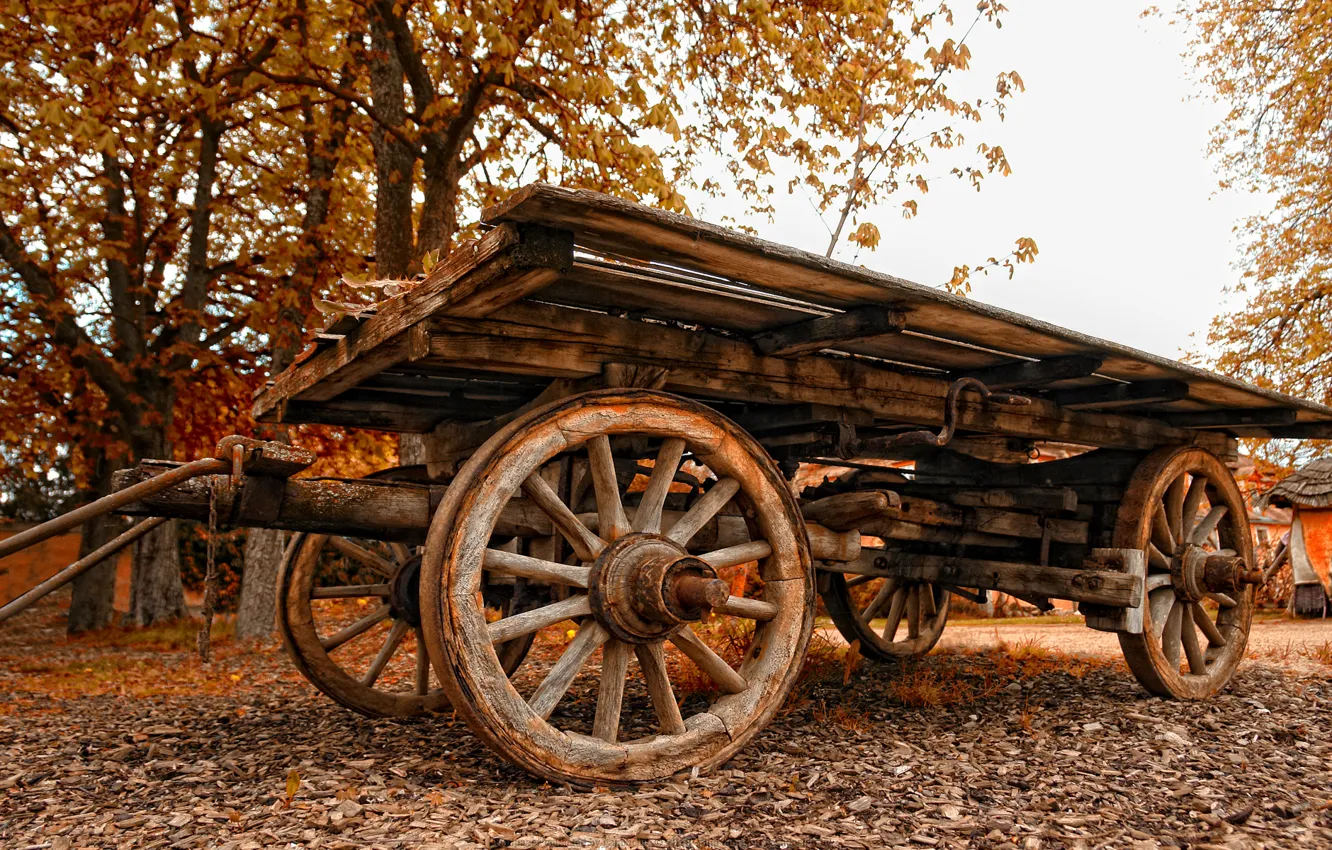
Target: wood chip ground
[{"x": 125, "y": 744}]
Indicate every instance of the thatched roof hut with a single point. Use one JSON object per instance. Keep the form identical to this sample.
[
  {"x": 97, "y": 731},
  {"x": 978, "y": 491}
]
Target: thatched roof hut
[
  {"x": 1307, "y": 487},
  {"x": 1308, "y": 492}
]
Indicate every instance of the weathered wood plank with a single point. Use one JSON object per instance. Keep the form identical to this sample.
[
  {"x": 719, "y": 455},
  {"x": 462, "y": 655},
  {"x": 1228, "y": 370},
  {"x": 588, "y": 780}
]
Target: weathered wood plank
[
  {"x": 1260, "y": 416},
  {"x": 1031, "y": 373},
  {"x": 1121, "y": 395},
  {"x": 827, "y": 331},
  {"x": 505, "y": 265},
  {"x": 540, "y": 339},
  {"x": 1097, "y": 586},
  {"x": 610, "y": 224}
]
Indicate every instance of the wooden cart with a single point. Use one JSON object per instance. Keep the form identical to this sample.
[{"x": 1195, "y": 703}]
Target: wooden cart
[{"x": 604, "y": 408}]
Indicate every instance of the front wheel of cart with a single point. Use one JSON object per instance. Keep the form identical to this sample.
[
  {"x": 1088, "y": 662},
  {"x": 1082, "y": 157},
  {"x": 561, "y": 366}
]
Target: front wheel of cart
[
  {"x": 913, "y": 614},
  {"x": 714, "y": 660},
  {"x": 1185, "y": 512}
]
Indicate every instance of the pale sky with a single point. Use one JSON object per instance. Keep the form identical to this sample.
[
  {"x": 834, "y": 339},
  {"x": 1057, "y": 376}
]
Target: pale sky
[{"x": 1111, "y": 179}]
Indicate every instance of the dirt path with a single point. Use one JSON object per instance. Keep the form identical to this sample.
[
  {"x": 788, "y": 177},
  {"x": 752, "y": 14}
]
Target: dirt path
[{"x": 131, "y": 744}]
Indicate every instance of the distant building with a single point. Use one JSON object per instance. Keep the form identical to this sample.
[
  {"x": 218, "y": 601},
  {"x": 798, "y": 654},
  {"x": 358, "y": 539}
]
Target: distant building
[{"x": 1308, "y": 493}]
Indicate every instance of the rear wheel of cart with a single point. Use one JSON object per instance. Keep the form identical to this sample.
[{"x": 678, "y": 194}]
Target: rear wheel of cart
[
  {"x": 669, "y": 667},
  {"x": 1185, "y": 512},
  {"x": 349, "y": 615},
  {"x": 913, "y": 614}
]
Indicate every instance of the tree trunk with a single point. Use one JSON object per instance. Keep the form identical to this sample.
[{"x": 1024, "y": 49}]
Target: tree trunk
[
  {"x": 93, "y": 605},
  {"x": 156, "y": 594},
  {"x": 258, "y": 597}
]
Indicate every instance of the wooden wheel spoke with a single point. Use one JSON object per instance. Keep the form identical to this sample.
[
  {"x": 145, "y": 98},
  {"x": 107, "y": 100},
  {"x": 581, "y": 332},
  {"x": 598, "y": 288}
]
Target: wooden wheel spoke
[
  {"x": 1174, "y": 506},
  {"x": 610, "y": 690},
  {"x": 857, "y": 581},
  {"x": 741, "y": 553},
  {"x": 1192, "y": 501},
  {"x": 538, "y": 618},
  {"x": 872, "y": 610},
  {"x": 356, "y": 629},
  {"x": 1194, "y": 653},
  {"x": 556, "y": 684},
  {"x": 422, "y": 665},
  {"x": 652, "y": 661},
  {"x": 612, "y": 524},
  {"x": 712, "y": 664},
  {"x": 1161, "y": 535},
  {"x": 1204, "y": 622},
  {"x": 913, "y": 612},
  {"x": 895, "y": 611},
  {"x": 356, "y": 552},
  {"x": 1158, "y": 580},
  {"x": 703, "y": 510},
  {"x": 401, "y": 552},
  {"x": 1160, "y": 600},
  {"x": 513, "y": 564},
  {"x": 1222, "y": 599},
  {"x": 586, "y": 544},
  {"x": 1208, "y": 524},
  {"x": 749, "y": 609},
  {"x": 927, "y": 603},
  {"x": 648, "y": 517},
  {"x": 1156, "y": 559},
  {"x": 395, "y": 636},
  {"x": 350, "y": 591},
  {"x": 1170, "y": 635}
]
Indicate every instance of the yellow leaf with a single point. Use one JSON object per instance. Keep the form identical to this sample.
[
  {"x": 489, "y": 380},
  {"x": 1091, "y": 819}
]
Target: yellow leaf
[{"x": 293, "y": 783}]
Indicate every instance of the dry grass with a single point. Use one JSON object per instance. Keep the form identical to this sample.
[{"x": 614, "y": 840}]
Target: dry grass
[{"x": 1322, "y": 653}]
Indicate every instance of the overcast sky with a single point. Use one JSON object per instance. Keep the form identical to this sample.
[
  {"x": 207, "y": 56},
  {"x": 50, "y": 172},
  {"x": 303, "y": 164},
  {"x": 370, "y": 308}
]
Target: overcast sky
[{"x": 1110, "y": 178}]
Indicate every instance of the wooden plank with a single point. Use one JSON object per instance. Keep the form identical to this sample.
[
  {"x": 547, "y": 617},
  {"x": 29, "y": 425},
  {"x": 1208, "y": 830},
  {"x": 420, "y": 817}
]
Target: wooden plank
[
  {"x": 1097, "y": 586},
  {"x": 1031, "y": 373},
  {"x": 508, "y": 263},
  {"x": 1261, "y": 416},
  {"x": 1058, "y": 499},
  {"x": 542, "y": 339},
  {"x": 828, "y": 331},
  {"x": 1121, "y": 395},
  {"x": 1303, "y": 431},
  {"x": 394, "y": 411},
  {"x": 761, "y": 420},
  {"x": 609, "y": 224}
]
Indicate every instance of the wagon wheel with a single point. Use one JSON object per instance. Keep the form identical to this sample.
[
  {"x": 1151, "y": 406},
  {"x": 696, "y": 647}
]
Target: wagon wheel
[
  {"x": 635, "y": 593},
  {"x": 1184, "y": 510},
  {"x": 324, "y": 622},
  {"x": 914, "y": 613}
]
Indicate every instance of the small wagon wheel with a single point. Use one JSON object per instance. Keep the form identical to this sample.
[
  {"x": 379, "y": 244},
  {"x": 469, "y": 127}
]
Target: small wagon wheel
[
  {"x": 1184, "y": 510},
  {"x": 636, "y": 593},
  {"x": 375, "y": 602},
  {"x": 913, "y": 613}
]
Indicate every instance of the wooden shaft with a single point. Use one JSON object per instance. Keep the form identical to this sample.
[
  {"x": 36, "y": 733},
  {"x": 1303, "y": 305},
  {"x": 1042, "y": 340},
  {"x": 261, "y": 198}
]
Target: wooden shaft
[
  {"x": 1097, "y": 586},
  {"x": 110, "y": 503},
  {"x": 78, "y": 568}
]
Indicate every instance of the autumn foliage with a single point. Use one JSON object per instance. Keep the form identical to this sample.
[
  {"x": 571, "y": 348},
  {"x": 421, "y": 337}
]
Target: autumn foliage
[{"x": 1272, "y": 66}]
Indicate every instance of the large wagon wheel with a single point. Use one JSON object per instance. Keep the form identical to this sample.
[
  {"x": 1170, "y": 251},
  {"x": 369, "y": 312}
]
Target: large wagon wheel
[
  {"x": 636, "y": 590},
  {"x": 914, "y": 613},
  {"x": 379, "y": 584},
  {"x": 1184, "y": 510}
]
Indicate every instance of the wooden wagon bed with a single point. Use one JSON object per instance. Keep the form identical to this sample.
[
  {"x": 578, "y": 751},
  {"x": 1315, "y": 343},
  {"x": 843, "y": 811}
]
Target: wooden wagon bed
[{"x": 568, "y": 281}]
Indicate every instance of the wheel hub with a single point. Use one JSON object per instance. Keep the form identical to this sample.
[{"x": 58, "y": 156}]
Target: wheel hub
[
  {"x": 405, "y": 592},
  {"x": 1195, "y": 572},
  {"x": 644, "y": 587}
]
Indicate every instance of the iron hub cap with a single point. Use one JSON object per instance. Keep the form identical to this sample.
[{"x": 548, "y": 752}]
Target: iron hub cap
[
  {"x": 405, "y": 592},
  {"x": 644, "y": 587}
]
